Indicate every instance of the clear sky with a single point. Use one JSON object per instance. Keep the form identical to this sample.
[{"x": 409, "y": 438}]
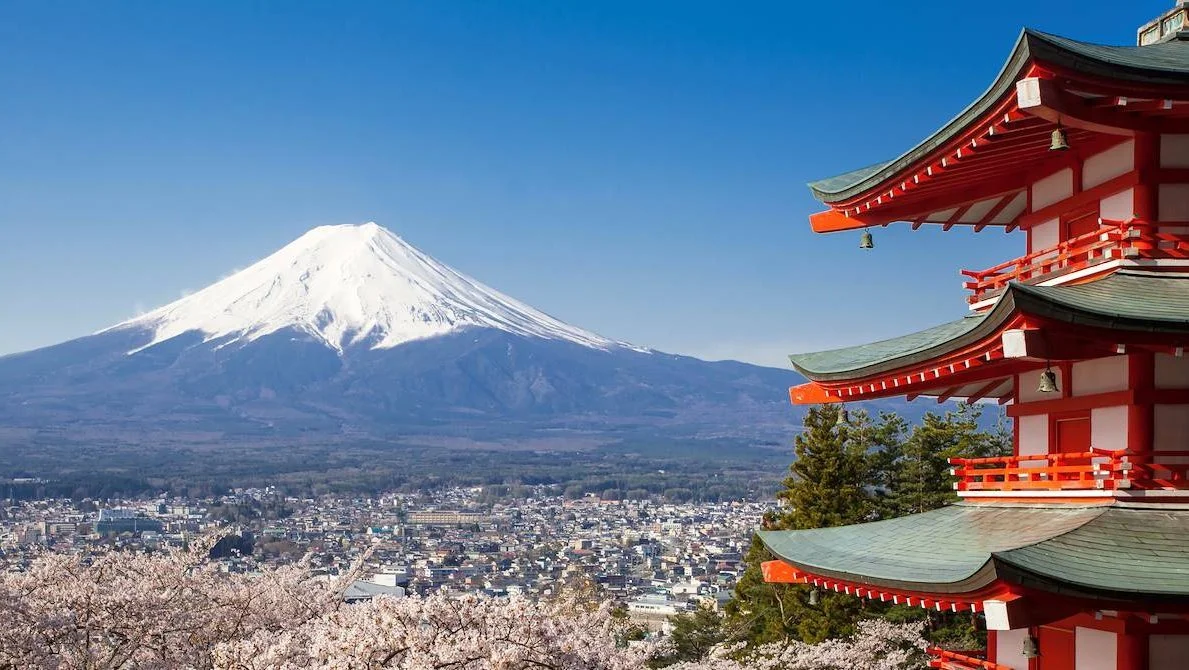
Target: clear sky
[{"x": 636, "y": 168}]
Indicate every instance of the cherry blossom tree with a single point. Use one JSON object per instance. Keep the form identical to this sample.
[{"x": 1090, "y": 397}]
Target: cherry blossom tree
[
  {"x": 176, "y": 609},
  {"x": 876, "y": 645}
]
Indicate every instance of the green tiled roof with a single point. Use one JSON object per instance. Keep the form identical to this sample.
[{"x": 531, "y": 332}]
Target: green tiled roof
[
  {"x": 1160, "y": 64},
  {"x": 1127, "y": 299},
  {"x": 1095, "y": 550},
  {"x": 1124, "y": 300},
  {"x": 1166, "y": 62},
  {"x": 864, "y": 355},
  {"x": 945, "y": 549},
  {"x": 1142, "y": 550}
]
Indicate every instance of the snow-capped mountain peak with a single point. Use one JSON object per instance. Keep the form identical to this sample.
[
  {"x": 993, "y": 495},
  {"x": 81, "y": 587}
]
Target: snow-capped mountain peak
[{"x": 352, "y": 284}]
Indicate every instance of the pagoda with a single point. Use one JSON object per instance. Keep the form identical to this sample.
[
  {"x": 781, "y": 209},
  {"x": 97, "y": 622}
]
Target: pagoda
[{"x": 1075, "y": 549}]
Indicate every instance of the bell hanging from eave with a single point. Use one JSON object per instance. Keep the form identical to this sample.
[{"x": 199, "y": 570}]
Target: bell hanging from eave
[
  {"x": 865, "y": 240},
  {"x": 1030, "y": 648},
  {"x": 1048, "y": 381},
  {"x": 1059, "y": 141}
]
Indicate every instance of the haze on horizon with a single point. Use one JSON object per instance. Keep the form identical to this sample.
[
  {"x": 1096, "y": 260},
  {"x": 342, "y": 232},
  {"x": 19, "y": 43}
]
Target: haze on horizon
[{"x": 633, "y": 169}]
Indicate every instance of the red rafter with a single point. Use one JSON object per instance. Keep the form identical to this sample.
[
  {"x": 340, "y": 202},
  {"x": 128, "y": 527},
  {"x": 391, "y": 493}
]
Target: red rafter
[
  {"x": 995, "y": 211},
  {"x": 982, "y": 392}
]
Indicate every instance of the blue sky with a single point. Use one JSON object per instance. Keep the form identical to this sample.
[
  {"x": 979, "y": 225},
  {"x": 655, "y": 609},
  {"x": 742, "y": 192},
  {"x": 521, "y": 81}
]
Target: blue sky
[{"x": 635, "y": 168}]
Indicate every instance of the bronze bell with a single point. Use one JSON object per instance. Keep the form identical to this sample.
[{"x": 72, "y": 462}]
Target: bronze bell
[
  {"x": 1048, "y": 381},
  {"x": 865, "y": 241},
  {"x": 1059, "y": 141},
  {"x": 843, "y": 418},
  {"x": 1031, "y": 649}
]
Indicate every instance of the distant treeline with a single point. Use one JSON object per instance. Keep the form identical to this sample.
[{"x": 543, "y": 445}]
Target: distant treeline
[{"x": 672, "y": 472}]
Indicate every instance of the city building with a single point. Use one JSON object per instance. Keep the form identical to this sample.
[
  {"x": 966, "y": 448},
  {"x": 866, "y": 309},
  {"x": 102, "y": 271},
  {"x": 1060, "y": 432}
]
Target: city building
[{"x": 1076, "y": 547}]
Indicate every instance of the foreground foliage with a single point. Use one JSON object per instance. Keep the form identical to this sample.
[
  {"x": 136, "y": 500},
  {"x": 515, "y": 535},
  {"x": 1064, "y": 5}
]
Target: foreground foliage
[
  {"x": 177, "y": 609},
  {"x": 851, "y": 468},
  {"x": 875, "y": 645}
]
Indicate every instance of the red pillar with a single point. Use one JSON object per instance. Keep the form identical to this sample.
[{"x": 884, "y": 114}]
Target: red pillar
[
  {"x": 1147, "y": 191},
  {"x": 1141, "y": 373},
  {"x": 1132, "y": 651}
]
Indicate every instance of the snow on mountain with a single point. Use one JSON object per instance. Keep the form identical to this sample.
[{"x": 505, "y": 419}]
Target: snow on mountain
[{"x": 352, "y": 284}]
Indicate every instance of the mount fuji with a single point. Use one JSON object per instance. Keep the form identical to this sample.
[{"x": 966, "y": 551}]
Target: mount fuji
[{"x": 351, "y": 334}]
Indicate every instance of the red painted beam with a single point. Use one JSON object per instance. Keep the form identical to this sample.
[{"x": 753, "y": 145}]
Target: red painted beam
[{"x": 1043, "y": 98}]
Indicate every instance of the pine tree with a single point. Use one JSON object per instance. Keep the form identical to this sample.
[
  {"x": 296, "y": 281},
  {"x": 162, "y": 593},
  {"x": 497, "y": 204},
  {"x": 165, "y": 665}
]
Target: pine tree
[
  {"x": 694, "y": 636},
  {"x": 920, "y": 478},
  {"x": 850, "y": 469},
  {"x": 827, "y": 485}
]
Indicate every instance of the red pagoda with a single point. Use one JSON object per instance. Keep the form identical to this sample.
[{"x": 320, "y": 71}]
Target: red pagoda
[{"x": 1076, "y": 547}]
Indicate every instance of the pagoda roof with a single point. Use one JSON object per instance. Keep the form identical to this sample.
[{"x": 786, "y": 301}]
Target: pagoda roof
[
  {"x": 1103, "y": 551},
  {"x": 1157, "y": 65},
  {"x": 1126, "y": 300}
]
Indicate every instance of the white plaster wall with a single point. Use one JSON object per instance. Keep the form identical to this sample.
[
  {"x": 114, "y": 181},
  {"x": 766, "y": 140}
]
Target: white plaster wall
[
  {"x": 1108, "y": 428},
  {"x": 1034, "y": 434},
  {"x": 1102, "y": 167},
  {"x": 1099, "y": 375},
  {"x": 1174, "y": 202},
  {"x": 1053, "y": 188},
  {"x": 1170, "y": 428},
  {"x": 1174, "y": 151},
  {"x": 1172, "y": 372},
  {"x": 1045, "y": 235},
  {"x": 1118, "y": 207},
  {"x": 1029, "y": 385},
  {"x": 1009, "y": 648},
  {"x": 1095, "y": 649},
  {"x": 1167, "y": 652}
]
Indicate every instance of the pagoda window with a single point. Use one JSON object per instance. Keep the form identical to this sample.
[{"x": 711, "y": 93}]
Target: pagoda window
[{"x": 1172, "y": 24}]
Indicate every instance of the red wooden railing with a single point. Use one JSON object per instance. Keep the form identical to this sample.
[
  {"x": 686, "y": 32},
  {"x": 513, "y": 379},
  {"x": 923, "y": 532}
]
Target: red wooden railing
[
  {"x": 1096, "y": 469},
  {"x": 955, "y": 660},
  {"x": 1111, "y": 241},
  {"x": 1153, "y": 475},
  {"x": 1043, "y": 472}
]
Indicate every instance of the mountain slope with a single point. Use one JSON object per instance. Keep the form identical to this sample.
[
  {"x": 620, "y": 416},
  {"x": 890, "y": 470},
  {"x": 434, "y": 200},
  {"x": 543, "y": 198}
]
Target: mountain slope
[
  {"x": 350, "y": 284},
  {"x": 351, "y": 334}
]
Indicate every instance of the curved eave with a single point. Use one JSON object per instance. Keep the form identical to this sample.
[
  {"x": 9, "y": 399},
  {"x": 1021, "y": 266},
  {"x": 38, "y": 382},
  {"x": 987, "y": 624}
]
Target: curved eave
[
  {"x": 947, "y": 551},
  {"x": 1126, "y": 301},
  {"x": 1158, "y": 66},
  {"x": 986, "y": 327},
  {"x": 1114, "y": 552},
  {"x": 980, "y": 580}
]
